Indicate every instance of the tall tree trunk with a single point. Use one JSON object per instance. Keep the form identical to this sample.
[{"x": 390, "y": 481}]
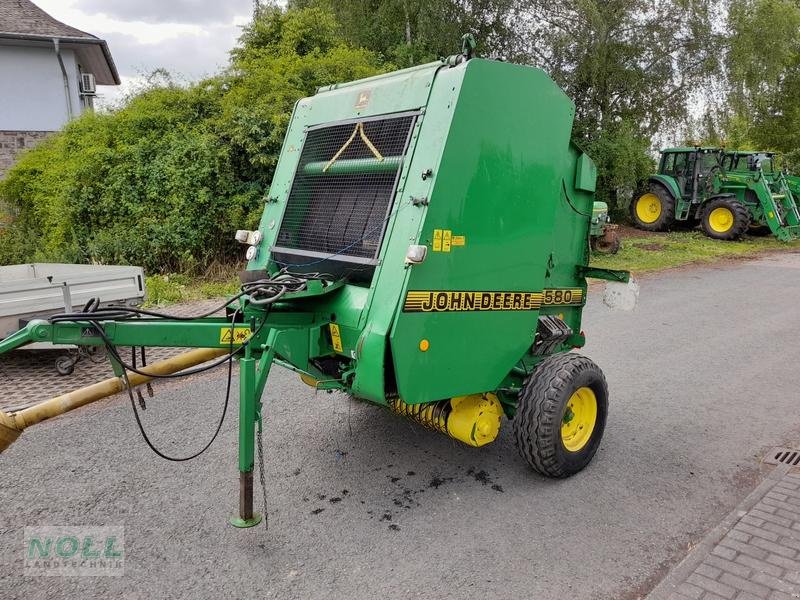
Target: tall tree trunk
[{"x": 408, "y": 31}]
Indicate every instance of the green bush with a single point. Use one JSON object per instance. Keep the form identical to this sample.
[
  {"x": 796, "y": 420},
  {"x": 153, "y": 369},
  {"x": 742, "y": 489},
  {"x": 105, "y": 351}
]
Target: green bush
[{"x": 165, "y": 181}]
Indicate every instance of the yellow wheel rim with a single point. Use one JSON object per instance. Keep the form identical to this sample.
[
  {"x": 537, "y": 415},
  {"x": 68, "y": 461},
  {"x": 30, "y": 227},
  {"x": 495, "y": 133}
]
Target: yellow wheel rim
[
  {"x": 721, "y": 219},
  {"x": 648, "y": 208},
  {"x": 579, "y": 419}
]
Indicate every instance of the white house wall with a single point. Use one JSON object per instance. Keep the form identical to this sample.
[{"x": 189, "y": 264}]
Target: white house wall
[{"x": 32, "y": 96}]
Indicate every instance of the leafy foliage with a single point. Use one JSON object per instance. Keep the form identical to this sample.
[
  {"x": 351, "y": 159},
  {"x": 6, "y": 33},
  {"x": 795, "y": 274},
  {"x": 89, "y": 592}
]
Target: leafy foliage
[
  {"x": 164, "y": 181},
  {"x": 410, "y": 32},
  {"x": 762, "y": 79}
]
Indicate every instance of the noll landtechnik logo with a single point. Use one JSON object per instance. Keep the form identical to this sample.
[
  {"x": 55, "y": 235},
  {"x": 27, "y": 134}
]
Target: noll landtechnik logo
[{"x": 81, "y": 551}]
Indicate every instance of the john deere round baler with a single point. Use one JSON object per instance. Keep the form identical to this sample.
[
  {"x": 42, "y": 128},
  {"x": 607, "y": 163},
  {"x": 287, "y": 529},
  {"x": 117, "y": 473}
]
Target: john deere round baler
[{"x": 423, "y": 247}]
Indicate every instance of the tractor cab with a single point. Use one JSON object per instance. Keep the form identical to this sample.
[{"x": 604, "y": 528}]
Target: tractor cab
[{"x": 691, "y": 168}]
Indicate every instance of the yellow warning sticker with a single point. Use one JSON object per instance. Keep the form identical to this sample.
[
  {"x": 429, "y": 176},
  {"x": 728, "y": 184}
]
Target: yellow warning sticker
[
  {"x": 437, "y": 240},
  {"x": 240, "y": 335},
  {"x": 444, "y": 240},
  {"x": 336, "y": 337}
]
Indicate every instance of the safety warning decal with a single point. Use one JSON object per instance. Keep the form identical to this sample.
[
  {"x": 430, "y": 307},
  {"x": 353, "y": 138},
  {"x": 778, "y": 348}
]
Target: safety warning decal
[
  {"x": 444, "y": 240},
  {"x": 239, "y": 334},
  {"x": 336, "y": 337},
  {"x": 458, "y": 301}
]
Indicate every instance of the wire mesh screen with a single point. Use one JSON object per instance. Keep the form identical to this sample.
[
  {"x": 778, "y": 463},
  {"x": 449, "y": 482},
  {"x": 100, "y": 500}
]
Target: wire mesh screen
[{"x": 343, "y": 189}]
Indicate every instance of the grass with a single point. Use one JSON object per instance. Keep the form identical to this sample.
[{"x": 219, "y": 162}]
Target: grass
[
  {"x": 169, "y": 289},
  {"x": 642, "y": 253}
]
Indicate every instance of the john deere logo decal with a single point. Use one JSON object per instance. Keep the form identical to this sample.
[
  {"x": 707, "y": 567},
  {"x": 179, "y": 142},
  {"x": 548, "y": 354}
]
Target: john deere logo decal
[
  {"x": 452, "y": 301},
  {"x": 363, "y": 98}
]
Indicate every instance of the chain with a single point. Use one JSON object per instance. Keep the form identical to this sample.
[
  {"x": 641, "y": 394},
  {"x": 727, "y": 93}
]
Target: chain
[{"x": 261, "y": 475}]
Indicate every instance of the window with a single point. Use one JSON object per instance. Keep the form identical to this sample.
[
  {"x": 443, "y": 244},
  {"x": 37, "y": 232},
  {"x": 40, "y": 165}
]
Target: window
[
  {"x": 681, "y": 163},
  {"x": 667, "y": 164}
]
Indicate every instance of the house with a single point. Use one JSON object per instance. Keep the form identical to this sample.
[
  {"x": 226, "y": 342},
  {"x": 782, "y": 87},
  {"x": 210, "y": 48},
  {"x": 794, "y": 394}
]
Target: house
[{"x": 49, "y": 72}]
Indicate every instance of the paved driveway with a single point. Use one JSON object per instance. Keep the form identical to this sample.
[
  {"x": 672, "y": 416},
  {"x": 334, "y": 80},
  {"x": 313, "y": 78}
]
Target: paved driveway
[{"x": 703, "y": 377}]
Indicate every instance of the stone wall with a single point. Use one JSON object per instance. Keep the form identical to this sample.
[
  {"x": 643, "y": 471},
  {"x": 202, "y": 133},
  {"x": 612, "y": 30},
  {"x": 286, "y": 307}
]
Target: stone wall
[{"x": 14, "y": 142}]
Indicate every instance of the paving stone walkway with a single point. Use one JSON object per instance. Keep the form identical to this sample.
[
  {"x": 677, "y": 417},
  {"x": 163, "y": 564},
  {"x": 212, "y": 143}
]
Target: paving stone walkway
[
  {"x": 29, "y": 376},
  {"x": 753, "y": 553}
]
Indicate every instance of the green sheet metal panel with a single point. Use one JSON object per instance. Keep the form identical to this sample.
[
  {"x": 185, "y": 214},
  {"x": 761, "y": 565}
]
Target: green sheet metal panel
[
  {"x": 504, "y": 183},
  {"x": 586, "y": 174},
  {"x": 385, "y": 94}
]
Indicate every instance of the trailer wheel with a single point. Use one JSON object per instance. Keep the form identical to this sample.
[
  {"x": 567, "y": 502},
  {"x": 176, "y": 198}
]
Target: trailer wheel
[
  {"x": 725, "y": 219},
  {"x": 561, "y": 415},
  {"x": 653, "y": 210},
  {"x": 65, "y": 365}
]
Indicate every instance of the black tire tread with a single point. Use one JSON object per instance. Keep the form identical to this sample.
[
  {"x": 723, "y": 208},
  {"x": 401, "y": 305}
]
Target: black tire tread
[
  {"x": 667, "y": 218},
  {"x": 539, "y": 406},
  {"x": 741, "y": 218}
]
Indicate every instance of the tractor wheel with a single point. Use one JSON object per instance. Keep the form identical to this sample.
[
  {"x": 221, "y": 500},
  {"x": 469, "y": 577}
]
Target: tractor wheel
[
  {"x": 725, "y": 219},
  {"x": 654, "y": 210},
  {"x": 561, "y": 414},
  {"x": 607, "y": 243}
]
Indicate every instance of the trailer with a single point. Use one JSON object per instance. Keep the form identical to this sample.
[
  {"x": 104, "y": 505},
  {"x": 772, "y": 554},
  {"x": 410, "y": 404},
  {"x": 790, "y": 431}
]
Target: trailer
[{"x": 40, "y": 290}]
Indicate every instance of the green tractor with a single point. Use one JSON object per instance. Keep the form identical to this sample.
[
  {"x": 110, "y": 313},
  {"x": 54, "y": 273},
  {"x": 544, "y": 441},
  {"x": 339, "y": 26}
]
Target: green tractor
[
  {"x": 768, "y": 162},
  {"x": 726, "y": 194},
  {"x": 603, "y": 236}
]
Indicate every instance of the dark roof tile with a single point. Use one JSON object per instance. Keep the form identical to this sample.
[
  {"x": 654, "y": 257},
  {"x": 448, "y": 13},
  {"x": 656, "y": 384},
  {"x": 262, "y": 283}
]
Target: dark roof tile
[{"x": 22, "y": 17}]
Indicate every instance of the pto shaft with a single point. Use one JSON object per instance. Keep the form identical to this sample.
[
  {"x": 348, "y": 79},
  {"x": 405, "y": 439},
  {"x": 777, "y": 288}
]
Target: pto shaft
[{"x": 12, "y": 425}]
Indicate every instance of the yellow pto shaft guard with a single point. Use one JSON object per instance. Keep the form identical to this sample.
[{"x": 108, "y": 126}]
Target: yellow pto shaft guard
[
  {"x": 12, "y": 425},
  {"x": 473, "y": 419}
]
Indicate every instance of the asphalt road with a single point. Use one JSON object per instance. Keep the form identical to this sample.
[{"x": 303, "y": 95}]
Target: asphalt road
[{"x": 362, "y": 504}]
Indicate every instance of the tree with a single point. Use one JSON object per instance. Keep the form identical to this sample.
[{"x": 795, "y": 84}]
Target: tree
[
  {"x": 166, "y": 180},
  {"x": 409, "y": 32},
  {"x": 763, "y": 76},
  {"x": 632, "y": 67}
]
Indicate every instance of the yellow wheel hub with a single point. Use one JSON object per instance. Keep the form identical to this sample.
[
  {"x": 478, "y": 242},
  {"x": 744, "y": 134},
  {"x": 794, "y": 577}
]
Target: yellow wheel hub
[
  {"x": 721, "y": 219},
  {"x": 648, "y": 208},
  {"x": 579, "y": 419}
]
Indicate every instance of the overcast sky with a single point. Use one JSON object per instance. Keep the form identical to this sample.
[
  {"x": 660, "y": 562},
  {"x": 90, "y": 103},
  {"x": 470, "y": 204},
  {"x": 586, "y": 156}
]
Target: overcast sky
[{"x": 190, "y": 38}]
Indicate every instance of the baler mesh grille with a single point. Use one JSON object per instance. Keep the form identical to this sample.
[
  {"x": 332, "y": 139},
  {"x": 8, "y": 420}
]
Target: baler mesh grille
[{"x": 343, "y": 188}]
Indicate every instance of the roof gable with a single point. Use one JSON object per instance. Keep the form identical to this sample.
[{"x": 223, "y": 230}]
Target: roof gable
[
  {"x": 22, "y": 22},
  {"x": 25, "y": 18}
]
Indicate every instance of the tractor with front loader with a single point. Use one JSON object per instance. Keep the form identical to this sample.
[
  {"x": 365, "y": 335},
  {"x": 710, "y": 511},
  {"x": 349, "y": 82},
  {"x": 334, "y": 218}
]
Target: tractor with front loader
[
  {"x": 423, "y": 247},
  {"x": 702, "y": 184}
]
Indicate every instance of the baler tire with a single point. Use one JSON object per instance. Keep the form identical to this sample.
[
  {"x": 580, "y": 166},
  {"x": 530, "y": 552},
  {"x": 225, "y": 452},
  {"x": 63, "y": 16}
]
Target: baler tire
[
  {"x": 666, "y": 214},
  {"x": 541, "y": 410},
  {"x": 739, "y": 213}
]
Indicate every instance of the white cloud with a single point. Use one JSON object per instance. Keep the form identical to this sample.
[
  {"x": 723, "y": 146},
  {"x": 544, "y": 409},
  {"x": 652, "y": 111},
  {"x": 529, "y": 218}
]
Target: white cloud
[
  {"x": 189, "y": 38},
  {"x": 172, "y": 11}
]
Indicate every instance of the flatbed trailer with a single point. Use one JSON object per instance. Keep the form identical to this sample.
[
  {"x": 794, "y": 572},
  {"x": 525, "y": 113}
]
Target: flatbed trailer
[{"x": 39, "y": 290}]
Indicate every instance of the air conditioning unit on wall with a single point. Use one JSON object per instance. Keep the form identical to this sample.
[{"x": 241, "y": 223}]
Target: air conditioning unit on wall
[{"x": 88, "y": 85}]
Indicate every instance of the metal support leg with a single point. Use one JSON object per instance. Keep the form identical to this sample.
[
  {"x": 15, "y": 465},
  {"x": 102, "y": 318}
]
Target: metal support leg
[{"x": 251, "y": 384}]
